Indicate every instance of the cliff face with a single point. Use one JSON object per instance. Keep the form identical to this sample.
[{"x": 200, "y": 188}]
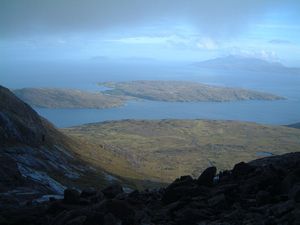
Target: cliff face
[{"x": 35, "y": 158}]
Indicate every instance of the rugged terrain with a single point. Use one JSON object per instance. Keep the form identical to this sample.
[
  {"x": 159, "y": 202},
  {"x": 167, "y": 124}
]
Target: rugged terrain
[
  {"x": 262, "y": 192},
  {"x": 67, "y": 98},
  {"x": 37, "y": 160},
  {"x": 183, "y": 91},
  {"x": 165, "y": 149}
]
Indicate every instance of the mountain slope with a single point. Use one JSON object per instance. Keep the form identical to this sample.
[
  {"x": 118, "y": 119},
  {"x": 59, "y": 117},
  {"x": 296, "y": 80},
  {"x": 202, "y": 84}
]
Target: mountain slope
[{"x": 35, "y": 158}]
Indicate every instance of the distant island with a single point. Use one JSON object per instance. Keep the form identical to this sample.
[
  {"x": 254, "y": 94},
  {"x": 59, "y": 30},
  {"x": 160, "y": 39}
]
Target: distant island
[
  {"x": 294, "y": 125},
  {"x": 242, "y": 63},
  {"x": 67, "y": 98},
  {"x": 162, "y": 150},
  {"x": 183, "y": 91},
  {"x": 120, "y": 92}
]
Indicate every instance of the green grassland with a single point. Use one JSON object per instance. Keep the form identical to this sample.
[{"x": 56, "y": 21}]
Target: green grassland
[
  {"x": 165, "y": 149},
  {"x": 183, "y": 91}
]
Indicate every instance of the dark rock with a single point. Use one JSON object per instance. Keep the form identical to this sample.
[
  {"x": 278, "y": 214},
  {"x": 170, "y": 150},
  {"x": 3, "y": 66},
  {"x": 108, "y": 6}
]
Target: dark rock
[
  {"x": 68, "y": 215},
  {"x": 121, "y": 210},
  {"x": 282, "y": 208},
  {"x": 109, "y": 219},
  {"x": 182, "y": 181},
  {"x": 95, "y": 218},
  {"x": 134, "y": 194},
  {"x": 191, "y": 216},
  {"x": 262, "y": 194},
  {"x": 207, "y": 177},
  {"x": 88, "y": 192},
  {"x": 83, "y": 201},
  {"x": 56, "y": 207},
  {"x": 295, "y": 192},
  {"x": 218, "y": 201},
  {"x": 295, "y": 216},
  {"x": 242, "y": 169},
  {"x": 77, "y": 221},
  {"x": 290, "y": 180},
  {"x": 71, "y": 196},
  {"x": 97, "y": 198},
  {"x": 173, "y": 194},
  {"x": 263, "y": 197},
  {"x": 112, "y": 190},
  {"x": 226, "y": 189},
  {"x": 180, "y": 187}
]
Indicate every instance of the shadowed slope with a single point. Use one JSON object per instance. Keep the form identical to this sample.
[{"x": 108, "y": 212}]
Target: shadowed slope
[{"x": 35, "y": 158}]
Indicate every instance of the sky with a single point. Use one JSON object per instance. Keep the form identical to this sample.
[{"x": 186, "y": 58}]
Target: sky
[{"x": 170, "y": 30}]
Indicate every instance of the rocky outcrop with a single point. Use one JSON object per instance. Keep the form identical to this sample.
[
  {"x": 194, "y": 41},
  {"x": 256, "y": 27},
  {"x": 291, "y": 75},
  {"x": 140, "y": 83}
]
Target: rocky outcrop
[{"x": 265, "y": 191}]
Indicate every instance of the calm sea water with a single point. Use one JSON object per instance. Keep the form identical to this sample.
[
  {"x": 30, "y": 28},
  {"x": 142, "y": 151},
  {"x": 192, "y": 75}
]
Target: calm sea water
[{"x": 85, "y": 75}]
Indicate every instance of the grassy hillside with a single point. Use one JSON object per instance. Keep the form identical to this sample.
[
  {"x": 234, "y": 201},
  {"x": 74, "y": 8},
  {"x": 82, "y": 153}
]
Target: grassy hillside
[
  {"x": 165, "y": 149},
  {"x": 67, "y": 98},
  {"x": 183, "y": 91}
]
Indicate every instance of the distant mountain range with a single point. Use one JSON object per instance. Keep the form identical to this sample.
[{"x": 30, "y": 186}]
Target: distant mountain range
[{"x": 245, "y": 64}]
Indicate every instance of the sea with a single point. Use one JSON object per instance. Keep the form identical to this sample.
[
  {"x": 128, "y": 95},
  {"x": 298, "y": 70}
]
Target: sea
[{"x": 85, "y": 75}]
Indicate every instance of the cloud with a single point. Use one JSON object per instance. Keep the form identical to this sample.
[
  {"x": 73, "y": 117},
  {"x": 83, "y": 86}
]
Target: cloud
[
  {"x": 191, "y": 42},
  {"x": 254, "y": 53},
  {"x": 280, "y": 42},
  {"x": 214, "y": 17},
  {"x": 149, "y": 40},
  {"x": 207, "y": 43}
]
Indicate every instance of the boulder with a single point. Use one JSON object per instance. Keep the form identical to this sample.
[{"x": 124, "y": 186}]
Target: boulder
[
  {"x": 121, "y": 210},
  {"x": 112, "y": 190},
  {"x": 71, "y": 196},
  {"x": 77, "y": 221},
  {"x": 191, "y": 216},
  {"x": 207, "y": 177},
  {"x": 263, "y": 197},
  {"x": 109, "y": 219},
  {"x": 88, "y": 192},
  {"x": 218, "y": 201},
  {"x": 281, "y": 208},
  {"x": 242, "y": 169},
  {"x": 295, "y": 193}
]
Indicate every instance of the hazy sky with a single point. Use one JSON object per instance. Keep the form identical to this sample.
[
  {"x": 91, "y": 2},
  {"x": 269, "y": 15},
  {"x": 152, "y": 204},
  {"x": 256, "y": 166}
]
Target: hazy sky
[{"x": 186, "y": 30}]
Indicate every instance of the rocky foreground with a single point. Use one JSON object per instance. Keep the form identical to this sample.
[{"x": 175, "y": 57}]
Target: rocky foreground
[{"x": 264, "y": 191}]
